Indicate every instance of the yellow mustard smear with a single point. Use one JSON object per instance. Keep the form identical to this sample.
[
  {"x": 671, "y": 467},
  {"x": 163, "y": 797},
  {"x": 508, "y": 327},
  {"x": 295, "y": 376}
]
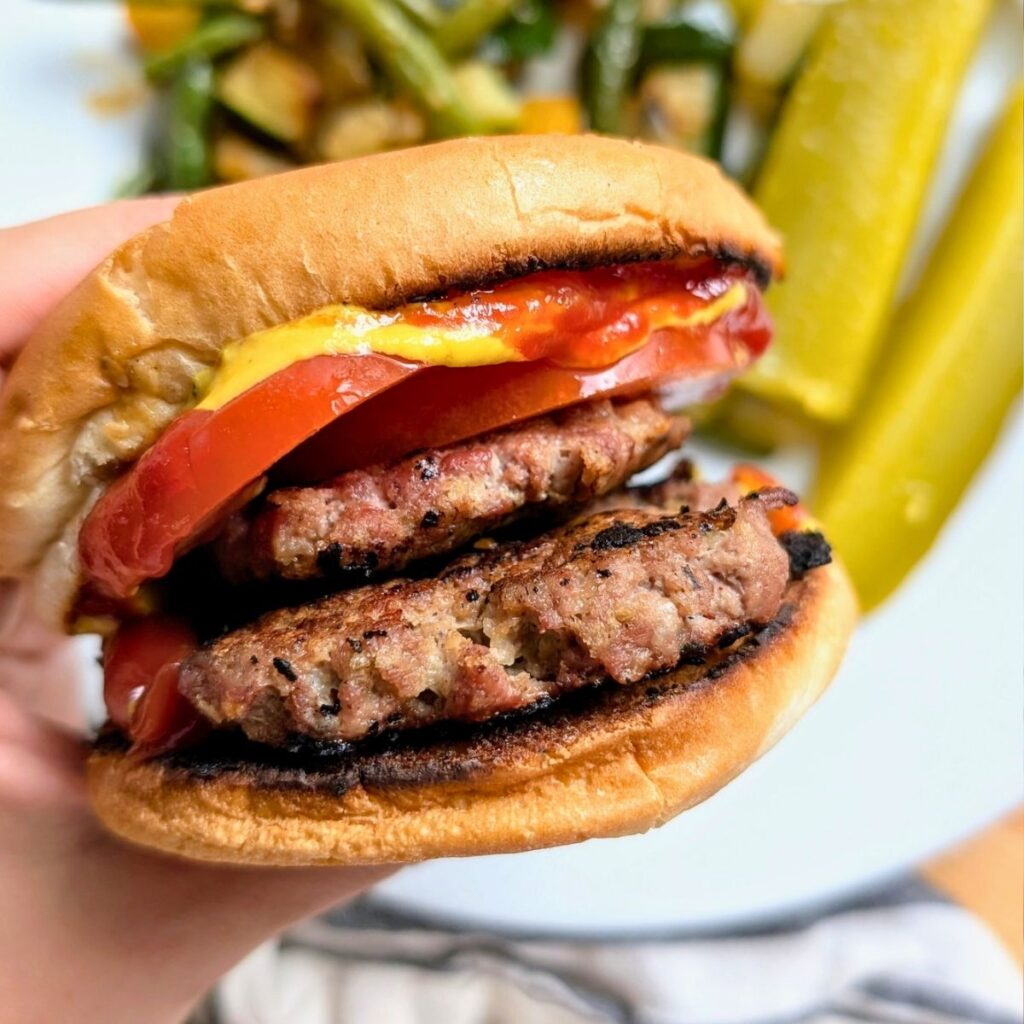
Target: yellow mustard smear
[{"x": 353, "y": 330}]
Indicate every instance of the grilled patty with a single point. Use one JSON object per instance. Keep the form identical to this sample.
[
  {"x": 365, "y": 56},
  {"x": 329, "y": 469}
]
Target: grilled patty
[
  {"x": 384, "y": 517},
  {"x": 621, "y": 595}
]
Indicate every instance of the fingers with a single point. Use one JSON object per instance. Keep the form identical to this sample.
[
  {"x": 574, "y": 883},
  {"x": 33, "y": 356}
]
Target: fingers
[
  {"x": 45, "y": 259},
  {"x": 39, "y": 669}
]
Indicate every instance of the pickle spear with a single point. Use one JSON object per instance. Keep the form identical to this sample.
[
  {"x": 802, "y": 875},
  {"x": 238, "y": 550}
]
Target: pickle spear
[
  {"x": 843, "y": 181},
  {"x": 951, "y": 369}
]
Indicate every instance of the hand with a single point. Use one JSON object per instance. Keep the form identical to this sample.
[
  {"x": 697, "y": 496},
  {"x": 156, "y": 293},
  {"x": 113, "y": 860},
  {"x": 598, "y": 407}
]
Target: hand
[{"x": 93, "y": 930}]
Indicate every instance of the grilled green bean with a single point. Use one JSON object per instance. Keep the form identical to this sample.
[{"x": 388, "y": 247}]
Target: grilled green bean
[
  {"x": 459, "y": 31},
  {"x": 426, "y": 12},
  {"x": 189, "y": 106},
  {"x": 413, "y": 62},
  {"x": 611, "y": 64},
  {"x": 219, "y": 35},
  {"x": 528, "y": 31}
]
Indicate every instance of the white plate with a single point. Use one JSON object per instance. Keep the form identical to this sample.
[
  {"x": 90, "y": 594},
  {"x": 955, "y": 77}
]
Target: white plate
[{"x": 918, "y": 743}]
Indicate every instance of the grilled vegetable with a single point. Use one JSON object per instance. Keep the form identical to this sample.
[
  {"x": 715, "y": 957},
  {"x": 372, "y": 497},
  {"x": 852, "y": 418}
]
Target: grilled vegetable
[
  {"x": 426, "y": 12},
  {"x": 369, "y": 126},
  {"x": 493, "y": 101},
  {"x": 680, "y": 38},
  {"x": 843, "y": 181},
  {"x": 160, "y": 28},
  {"x": 684, "y": 106},
  {"x": 528, "y": 31},
  {"x": 543, "y": 114},
  {"x": 341, "y": 63},
  {"x": 186, "y": 156},
  {"x": 467, "y": 23},
  {"x": 951, "y": 370},
  {"x": 413, "y": 63},
  {"x": 271, "y": 89},
  {"x": 611, "y": 64},
  {"x": 236, "y": 158},
  {"x": 776, "y": 39},
  {"x": 212, "y": 38}
]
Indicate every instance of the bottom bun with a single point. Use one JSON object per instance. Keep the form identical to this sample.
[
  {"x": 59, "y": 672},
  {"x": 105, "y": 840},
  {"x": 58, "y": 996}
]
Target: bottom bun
[{"x": 609, "y": 761}]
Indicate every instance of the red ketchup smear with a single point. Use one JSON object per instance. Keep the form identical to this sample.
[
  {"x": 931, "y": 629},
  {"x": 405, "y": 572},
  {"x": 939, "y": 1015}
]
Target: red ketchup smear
[{"x": 589, "y": 318}]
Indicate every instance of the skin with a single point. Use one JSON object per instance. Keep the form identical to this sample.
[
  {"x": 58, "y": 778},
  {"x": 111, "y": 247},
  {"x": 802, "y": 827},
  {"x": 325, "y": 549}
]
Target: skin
[{"x": 93, "y": 930}]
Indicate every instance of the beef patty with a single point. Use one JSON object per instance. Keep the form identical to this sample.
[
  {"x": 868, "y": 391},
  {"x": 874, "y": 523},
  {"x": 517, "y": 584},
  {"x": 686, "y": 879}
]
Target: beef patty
[
  {"x": 621, "y": 595},
  {"x": 384, "y": 517}
]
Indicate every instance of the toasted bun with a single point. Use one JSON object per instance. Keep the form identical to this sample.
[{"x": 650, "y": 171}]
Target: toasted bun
[
  {"x": 605, "y": 763},
  {"x": 115, "y": 362}
]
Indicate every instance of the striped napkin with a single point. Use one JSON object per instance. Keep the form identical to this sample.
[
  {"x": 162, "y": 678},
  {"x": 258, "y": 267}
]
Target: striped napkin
[{"x": 903, "y": 955}]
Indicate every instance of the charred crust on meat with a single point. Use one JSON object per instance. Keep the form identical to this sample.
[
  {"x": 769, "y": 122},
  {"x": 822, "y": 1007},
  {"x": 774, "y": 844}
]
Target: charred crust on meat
[
  {"x": 333, "y": 709},
  {"x": 472, "y": 596},
  {"x": 355, "y": 644},
  {"x": 604, "y": 573},
  {"x": 693, "y": 654},
  {"x": 253, "y": 660},
  {"x": 430, "y": 518},
  {"x": 369, "y": 634},
  {"x": 284, "y": 667},
  {"x": 445, "y": 752},
  {"x": 623, "y": 535},
  {"x": 807, "y": 550},
  {"x": 730, "y": 636},
  {"x": 692, "y": 577},
  {"x": 334, "y": 563},
  {"x": 331, "y": 559},
  {"x": 426, "y": 467}
]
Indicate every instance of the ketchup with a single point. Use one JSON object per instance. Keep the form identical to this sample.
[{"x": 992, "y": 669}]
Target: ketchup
[{"x": 590, "y": 318}]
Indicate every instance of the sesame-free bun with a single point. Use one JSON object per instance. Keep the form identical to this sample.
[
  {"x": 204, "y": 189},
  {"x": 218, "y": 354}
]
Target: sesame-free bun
[
  {"x": 115, "y": 362},
  {"x": 608, "y": 762}
]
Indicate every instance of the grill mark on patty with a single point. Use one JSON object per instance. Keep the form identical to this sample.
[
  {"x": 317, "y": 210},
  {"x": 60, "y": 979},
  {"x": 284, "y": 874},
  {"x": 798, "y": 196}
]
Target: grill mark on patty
[
  {"x": 446, "y": 751},
  {"x": 383, "y": 518},
  {"x": 558, "y": 613}
]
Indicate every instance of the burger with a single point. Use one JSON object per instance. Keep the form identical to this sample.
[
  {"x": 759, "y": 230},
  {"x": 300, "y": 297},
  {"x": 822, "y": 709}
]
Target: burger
[{"x": 338, "y": 463}]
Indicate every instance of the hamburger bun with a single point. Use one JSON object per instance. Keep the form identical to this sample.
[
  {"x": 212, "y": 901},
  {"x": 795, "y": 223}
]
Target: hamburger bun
[{"x": 606, "y": 762}]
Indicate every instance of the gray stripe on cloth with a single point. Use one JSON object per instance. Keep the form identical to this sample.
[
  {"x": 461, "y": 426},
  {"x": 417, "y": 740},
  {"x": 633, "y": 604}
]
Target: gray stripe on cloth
[
  {"x": 605, "y": 1005},
  {"x": 934, "y": 998},
  {"x": 594, "y": 998},
  {"x": 374, "y": 913}
]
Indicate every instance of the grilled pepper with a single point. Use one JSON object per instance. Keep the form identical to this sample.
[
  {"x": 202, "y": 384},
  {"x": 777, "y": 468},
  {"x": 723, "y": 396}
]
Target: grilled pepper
[
  {"x": 843, "y": 181},
  {"x": 160, "y": 28},
  {"x": 951, "y": 370},
  {"x": 219, "y": 35}
]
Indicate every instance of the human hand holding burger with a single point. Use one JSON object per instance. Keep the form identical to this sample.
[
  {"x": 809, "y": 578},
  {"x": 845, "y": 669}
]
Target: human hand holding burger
[{"x": 94, "y": 930}]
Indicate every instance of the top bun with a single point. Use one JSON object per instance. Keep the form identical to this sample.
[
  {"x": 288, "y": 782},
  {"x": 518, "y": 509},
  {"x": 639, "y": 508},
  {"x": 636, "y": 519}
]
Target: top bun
[{"x": 115, "y": 362}]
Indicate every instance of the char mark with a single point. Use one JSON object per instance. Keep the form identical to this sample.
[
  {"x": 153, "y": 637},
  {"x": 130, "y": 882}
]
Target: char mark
[{"x": 807, "y": 550}]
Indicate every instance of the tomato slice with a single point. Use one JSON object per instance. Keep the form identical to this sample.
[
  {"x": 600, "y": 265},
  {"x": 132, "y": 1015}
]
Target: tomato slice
[
  {"x": 200, "y": 468},
  {"x": 190, "y": 477},
  {"x": 442, "y": 405},
  {"x": 140, "y": 669}
]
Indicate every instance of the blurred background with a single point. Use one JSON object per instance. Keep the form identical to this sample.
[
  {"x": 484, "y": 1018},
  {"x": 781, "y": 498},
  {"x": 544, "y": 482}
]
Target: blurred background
[{"x": 883, "y": 138}]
